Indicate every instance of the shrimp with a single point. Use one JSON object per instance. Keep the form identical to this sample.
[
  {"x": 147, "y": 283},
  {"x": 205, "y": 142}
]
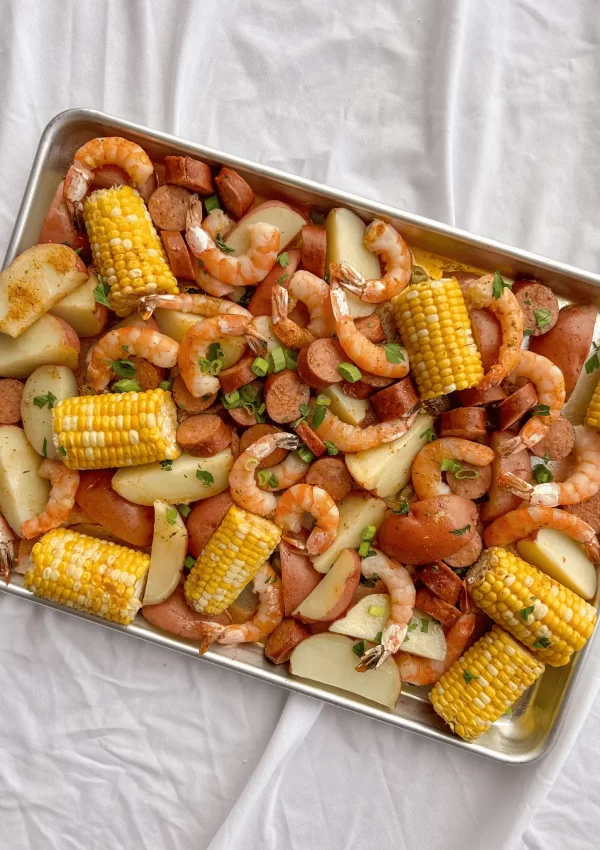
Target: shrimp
[
  {"x": 506, "y": 308},
  {"x": 197, "y": 304},
  {"x": 366, "y": 354},
  {"x": 417, "y": 670},
  {"x": 286, "y": 331},
  {"x": 351, "y": 438},
  {"x": 268, "y": 616},
  {"x": 62, "y": 498},
  {"x": 7, "y": 549},
  {"x": 582, "y": 483},
  {"x": 427, "y": 466},
  {"x": 517, "y": 524},
  {"x": 550, "y": 385},
  {"x": 193, "y": 350},
  {"x": 247, "y": 269},
  {"x": 122, "y": 343},
  {"x": 314, "y": 294},
  {"x": 380, "y": 238},
  {"x": 305, "y": 498},
  {"x": 285, "y": 474},
  {"x": 401, "y": 589},
  {"x": 216, "y": 223},
  {"x": 245, "y": 492}
]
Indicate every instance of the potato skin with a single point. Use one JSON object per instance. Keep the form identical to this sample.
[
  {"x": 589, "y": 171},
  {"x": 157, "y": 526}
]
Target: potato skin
[
  {"x": 425, "y": 534},
  {"x": 132, "y": 523},
  {"x": 205, "y": 518},
  {"x": 568, "y": 343}
]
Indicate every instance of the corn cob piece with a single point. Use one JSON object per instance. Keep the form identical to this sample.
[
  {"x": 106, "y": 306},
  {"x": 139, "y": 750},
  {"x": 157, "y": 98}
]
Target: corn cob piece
[
  {"x": 231, "y": 558},
  {"x": 126, "y": 248},
  {"x": 436, "y": 331},
  {"x": 483, "y": 683},
  {"x": 592, "y": 416},
  {"x": 115, "y": 429},
  {"x": 540, "y": 612},
  {"x": 91, "y": 575}
]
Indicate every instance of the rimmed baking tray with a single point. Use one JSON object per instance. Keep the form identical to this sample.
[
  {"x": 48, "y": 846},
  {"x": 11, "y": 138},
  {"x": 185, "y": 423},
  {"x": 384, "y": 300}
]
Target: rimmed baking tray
[{"x": 536, "y": 721}]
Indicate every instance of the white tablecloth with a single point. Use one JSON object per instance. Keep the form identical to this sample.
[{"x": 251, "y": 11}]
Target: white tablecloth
[{"x": 479, "y": 113}]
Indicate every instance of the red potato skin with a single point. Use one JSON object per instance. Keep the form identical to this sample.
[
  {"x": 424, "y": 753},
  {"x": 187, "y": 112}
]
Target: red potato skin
[
  {"x": 567, "y": 345},
  {"x": 282, "y": 642},
  {"x": 345, "y": 597},
  {"x": 58, "y": 224},
  {"x": 441, "y": 581},
  {"x": 436, "y": 607},
  {"x": 176, "y": 617},
  {"x": 189, "y": 173},
  {"x": 260, "y": 303},
  {"x": 71, "y": 338},
  {"x": 298, "y": 576},
  {"x": 487, "y": 335},
  {"x": 236, "y": 194},
  {"x": 205, "y": 517},
  {"x": 132, "y": 523},
  {"x": 501, "y": 501},
  {"x": 314, "y": 249},
  {"x": 177, "y": 254},
  {"x": 11, "y": 393}
]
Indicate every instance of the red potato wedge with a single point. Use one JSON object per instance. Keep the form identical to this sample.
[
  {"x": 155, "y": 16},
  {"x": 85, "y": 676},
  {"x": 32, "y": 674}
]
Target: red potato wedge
[
  {"x": 501, "y": 501},
  {"x": 567, "y": 345},
  {"x": 298, "y": 576},
  {"x": 289, "y": 222},
  {"x": 176, "y": 617},
  {"x": 260, "y": 303},
  {"x": 282, "y": 642},
  {"x": 81, "y": 311},
  {"x": 333, "y": 594},
  {"x": 49, "y": 341},
  {"x": 132, "y": 523},
  {"x": 58, "y": 224},
  {"x": 204, "y": 519}
]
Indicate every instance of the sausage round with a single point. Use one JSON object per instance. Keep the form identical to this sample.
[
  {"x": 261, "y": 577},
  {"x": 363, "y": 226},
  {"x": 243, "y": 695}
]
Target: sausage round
[
  {"x": 359, "y": 389},
  {"x": 254, "y": 433},
  {"x": 466, "y": 422},
  {"x": 314, "y": 249},
  {"x": 441, "y": 581},
  {"x": 175, "y": 616},
  {"x": 331, "y": 473},
  {"x": 236, "y": 194},
  {"x": 516, "y": 405},
  {"x": 475, "y": 397},
  {"x": 132, "y": 523},
  {"x": 11, "y": 393},
  {"x": 205, "y": 517},
  {"x": 284, "y": 393},
  {"x": 434, "y": 606},
  {"x": 237, "y": 375},
  {"x": 318, "y": 363},
  {"x": 467, "y": 555},
  {"x": 186, "y": 401},
  {"x": 168, "y": 207},
  {"x": 538, "y": 304},
  {"x": 589, "y": 511},
  {"x": 260, "y": 303},
  {"x": 371, "y": 327},
  {"x": 395, "y": 401},
  {"x": 282, "y": 642},
  {"x": 501, "y": 501},
  {"x": 311, "y": 440},
  {"x": 487, "y": 334},
  {"x": 189, "y": 173},
  {"x": 240, "y": 415},
  {"x": 203, "y": 435},
  {"x": 558, "y": 442},
  {"x": 177, "y": 254},
  {"x": 471, "y": 488}
]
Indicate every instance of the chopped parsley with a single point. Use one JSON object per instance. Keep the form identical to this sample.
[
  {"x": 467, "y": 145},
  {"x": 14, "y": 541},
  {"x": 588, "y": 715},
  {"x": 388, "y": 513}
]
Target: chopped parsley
[
  {"x": 270, "y": 579},
  {"x": 171, "y": 516},
  {"x": 166, "y": 465},
  {"x": 319, "y": 414},
  {"x": 542, "y": 643},
  {"x": 331, "y": 448},
  {"x": 526, "y": 612},
  {"x": 403, "y": 506},
  {"x": 499, "y": 285},
  {"x": 468, "y": 677},
  {"x": 126, "y": 386},
  {"x": 359, "y": 648},
  {"x": 222, "y": 246},
  {"x": 43, "y": 400},
  {"x": 542, "y": 474},
  {"x": 371, "y": 581},
  {"x": 542, "y": 318},
  {"x": 249, "y": 399},
  {"x": 62, "y": 451},
  {"x": 304, "y": 414},
  {"x": 460, "y": 531},
  {"x": 428, "y": 435},
  {"x": 541, "y": 410},
  {"x": 593, "y": 362},
  {"x": 316, "y": 217},
  {"x": 189, "y": 562},
  {"x": 283, "y": 259},
  {"x": 394, "y": 353},
  {"x": 205, "y": 478},
  {"x": 122, "y": 368},
  {"x": 283, "y": 278},
  {"x": 101, "y": 292},
  {"x": 378, "y": 637}
]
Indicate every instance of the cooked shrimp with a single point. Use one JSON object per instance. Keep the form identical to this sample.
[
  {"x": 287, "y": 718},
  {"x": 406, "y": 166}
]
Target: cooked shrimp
[
  {"x": 351, "y": 438},
  {"x": 268, "y": 616},
  {"x": 305, "y": 498},
  {"x": 314, "y": 294},
  {"x": 198, "y": 305},
  {"x": 245, "y": 492},
  {"x": 380, "y": 238},
  {"x": 517, "y": 524},
  {"x": 401, "y": 589},
  {"x": 7, "y": 549},
  {"x": 62, "y": 498},
  {"x": 216, "y": 223},
  {"x": 506, "y": 308},
  {"x": 427, "y": 465},
  {"x": 285, "y": 474},
  {"x": 286, "y": 331},
  {"x": 194, "y": 348},
  {"x": 582, "y": 483},
  {"x": 366, "y": 354},
  {"x": 122, "y": 343},
  {"x": 247, "y": 269},
  {"x": 550, "y": 385},
  {"x": 417, "y": 670}
]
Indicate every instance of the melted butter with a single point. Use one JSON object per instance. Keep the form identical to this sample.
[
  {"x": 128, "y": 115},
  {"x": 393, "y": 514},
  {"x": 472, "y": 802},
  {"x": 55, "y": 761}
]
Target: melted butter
[{"x": 436, "y": 265}]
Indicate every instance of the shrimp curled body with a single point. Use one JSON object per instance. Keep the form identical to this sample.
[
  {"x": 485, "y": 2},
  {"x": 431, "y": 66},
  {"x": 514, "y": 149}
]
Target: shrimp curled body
[
  {"x": 122, "y": 343},
  {"x": 245, "y": 492},
  {"x": 285, "y": 474},
  {"x": 62, "y": 498},
  {"x": 417, "y": 670},
  {"x": 305, "y": 498},
  {"x": 517, "y": 524},
  {"x": 194, "y": 303},
  {"x": 426, "y": 468},
  {"x": 216, "y": 223},
  {"x": 351, "y": 438},
  {"x": 287, "y": 331},
  {"x": 313, "y": 292}
]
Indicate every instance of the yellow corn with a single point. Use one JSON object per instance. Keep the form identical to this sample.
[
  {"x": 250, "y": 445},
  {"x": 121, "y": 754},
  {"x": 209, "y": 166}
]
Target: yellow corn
[
  {"x": 126, "y": 248},
  {"x": 483, "y": 683},
  {"x": 592, "y": 417},
  {"x": 115, "y": 429},
  {"x": 231, "y": 558},
  {"x": 540, "y": 612},
  {"x": 434, "y": 326},
  {"x": 88, "y": 574}
]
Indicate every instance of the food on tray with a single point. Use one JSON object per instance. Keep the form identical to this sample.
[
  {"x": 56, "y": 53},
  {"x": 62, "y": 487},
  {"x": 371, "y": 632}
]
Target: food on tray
[{"x": 316, "y": 445}]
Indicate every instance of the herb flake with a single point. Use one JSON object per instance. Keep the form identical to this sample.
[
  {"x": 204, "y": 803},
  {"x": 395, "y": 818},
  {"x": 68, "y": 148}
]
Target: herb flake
[{"x": 460, "y": 531}]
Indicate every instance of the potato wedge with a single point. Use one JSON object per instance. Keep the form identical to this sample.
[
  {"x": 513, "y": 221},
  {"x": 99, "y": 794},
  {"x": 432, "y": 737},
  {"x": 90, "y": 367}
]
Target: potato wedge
[
  {"x": 345, "y": 234},
  {"x": 81, "y": 310},
  {"x": 176, "y": 324},
  {"x": 425, "y": 637},
  {"x": 333, "y": 594},
  {"x": 23, "y": 494},
  {"x": 355, "y": 513},
  {"x": 169, "y": 548},
  {"x": 47, "y": 341},
  {"x": 365, "y": 619},
  {"x": 288, "y": 220},
  {"x": 561, "y": 558},
  {"x": 45, "y": 382},
  {"x": 350, "y": 410}
]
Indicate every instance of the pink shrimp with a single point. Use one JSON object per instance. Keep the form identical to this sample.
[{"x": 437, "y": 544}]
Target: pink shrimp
[
  {"x": 314, "y": 294},
  {"x": 305, "y": 498},
  {"x": 7, "y": 549},
  {"x": 287, "y": 331},
  {"x": 194, "y": 303},
  {"x": 62, "y": 498},
  {"x": 401, "y": 589},
  {"x": 427, "y": 466},
  {"x": 216, "y": 223},
  {"x": 417, "y": 670},
  {"x": 283, "y": 475},
  {"x": 245, "y": 492},
  {"x": 122, "y": 343},
  {"x": 351, "y": 438},
  {"x": 517, "y": 524}
]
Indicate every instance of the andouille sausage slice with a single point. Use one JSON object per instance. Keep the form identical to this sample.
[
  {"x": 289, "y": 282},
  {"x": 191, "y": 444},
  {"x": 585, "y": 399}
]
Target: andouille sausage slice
[
  {"x": 359, "y": 389},
  {"x": 168, "y": 207},
  {"x": 538, "y": 304},
  {"x": 237, "y": 375},
  {"x": 395, "y": 401},
  {"x": 501, "y": 501},
  {"x": 132, "y": 523},
  {"x": 205, "y": 517},
  {"x": 475, "y": 397},
  {"x": 176, "y": 617},
  {"x": 203, "y": 435},
  {"x": 236, "y": 194},
  {"x": 441, "y": 581},
  {"x": 558, "y": 442},
  {"x": 284, "y": 393},
  {"x": 314, "y": 249},
  {"x": 254, "y": 433},
  {"x": 516, "y": 405},
  {"x": 260, "y": 303},
  {"x": 282, "y": 642},
  {"x": 589, "y": 511},
  {"x": 186, "y": 401},
  {"x": 467, "y": 555},
  {"x": 11, "y": 393},
  {"x": 177, "y": 254},
  {"x": 567, "y": 345},
  {"x": 471, "y": 488},
  {"x": 487, "y": 334},
  {"x": 466, "y": 422},
  {"x": 318, "y": 363},
  {"x": 371, "y": 327},
  {"x": 434, "y": 606},
  {"x": 189, "y": 173},
  {"x": 310, "y": 439},
  {"x": 331, "y": 473}
]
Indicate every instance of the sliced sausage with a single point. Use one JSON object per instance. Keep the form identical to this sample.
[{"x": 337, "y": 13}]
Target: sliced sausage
[
  {"x": 558, "y": 442},
  {"x": 516, "y": 405},
  {"x": 205, "y": 517},
  {"x": 589, "y": 511},
  {"x": 186, "y": 401},
  {"x": 260, "y": 303},
  {"x": 132, "y": 523},
  {"x": 434, "y": 606},
  {"x": 359, "y": 389},
  {"x": 284, "y": 393},
  {"x": 376, "y": 381},
  {"x": 175, "y": 616},
  {"x": 501, "y": 501},
  {"x": 371, "y": 327},
  {"x": 567, "y": 345},
  {"x": 189, "y": 173},
  {"x": 147, "y": 374},
  {"x": 254, "y": 433},
  {"x": 203, "y": 435},
  {"x": 282, "y": 642},
  {"x": 236, "y": 194},
  {"x": 11, "y": 393},
  {"x": 240, "y": 415},
  {"x": 314, "y": 249},
  {"x": 177, "y": 254},
  {"x": 58, "y": 224},
  {"x": 538, "y": 304},
  {"x": 441, "y": 581},
  {"x": 467, "y": 555},
  {"x": 168, "y": 207},
  {"x": 467, "y": 422},
  {"x": 237, "y": 375},
  {"x": 475, "y": 397},
  {"x": 395, "y": 401},
  {"x": 487, "y": 335},
  {"x": 331, "y": 473},
  {"x": 310, "y": 439},
  {"x": 318, "y": 363},
  {"x": 471, "y": 488}
]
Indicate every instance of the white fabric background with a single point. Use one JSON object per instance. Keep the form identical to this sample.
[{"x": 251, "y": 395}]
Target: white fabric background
[{"x": 479, "y": 113}]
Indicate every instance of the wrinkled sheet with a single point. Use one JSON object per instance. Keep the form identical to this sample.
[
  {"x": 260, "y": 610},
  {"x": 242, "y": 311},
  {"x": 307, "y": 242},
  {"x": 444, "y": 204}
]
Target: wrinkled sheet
[{"x": 478, "y": 113}]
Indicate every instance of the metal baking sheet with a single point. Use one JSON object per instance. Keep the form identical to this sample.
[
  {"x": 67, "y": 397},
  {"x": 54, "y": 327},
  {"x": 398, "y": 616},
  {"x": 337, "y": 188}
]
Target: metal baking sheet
[{"x": 536, "y": 721}]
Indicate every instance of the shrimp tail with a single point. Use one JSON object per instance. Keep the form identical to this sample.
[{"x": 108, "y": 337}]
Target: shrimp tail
[
  {"x": 211, "y": 632},
  {"x": 280, "y": 301},
  {"x": 515, "y": 485},
  {"x": 511, "y": 447},
  {"x": 7, "y": 559},
  {"x": 147, "y": 306},
  {"x": 592, "y": 550},
  {"x": 352, "y": 280},
  {"x": 373, "y": 658},
  {"x": 256, "y": 341}
]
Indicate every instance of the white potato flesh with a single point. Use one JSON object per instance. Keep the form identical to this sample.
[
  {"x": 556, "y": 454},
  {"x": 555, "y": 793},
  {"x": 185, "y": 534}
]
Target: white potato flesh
[
  {"x": 352, "y": 411},
  {"x": 334, "y": 592},
  {"x": 355, "y": 513},
  {"x": 387, "y": 468},
  {"x": 144, "y": 484},
  {"x": 579, "y": 400},
  {"x": 562, "y": 558},
  {"x": 365, "y": 619},
  {"x": 345, "y": 234},
  {"x": 278, "y": 214},
  {"x": 169, "y": 548},
  {"x": 48, "y": 341},
  {"x": 328, "y": 658},
  {"x": 176, "y": 324},
  {"x": 23, "y": 494},
  {"x": 425, "y": 637},
  {"x": 34, "y": 282},
  {"x": 37, "y": 421},
  {"x": 81, "y": 310},
  {"x": 264, "y": 325}
]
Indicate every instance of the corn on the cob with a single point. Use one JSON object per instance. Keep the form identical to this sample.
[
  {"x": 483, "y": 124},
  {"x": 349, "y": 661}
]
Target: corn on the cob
[
  {"x": 592, "y": 416},
  {"x": 91, "y": 575},
  {"x": 115, "y": 429},
  {"x": 436, "y": 331},
  {"x": 483, "y": 683},
  {"x": 540, "y": 612},
  {"x": 126, "y": 248},
  {"x": 231, "y": 558}
]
